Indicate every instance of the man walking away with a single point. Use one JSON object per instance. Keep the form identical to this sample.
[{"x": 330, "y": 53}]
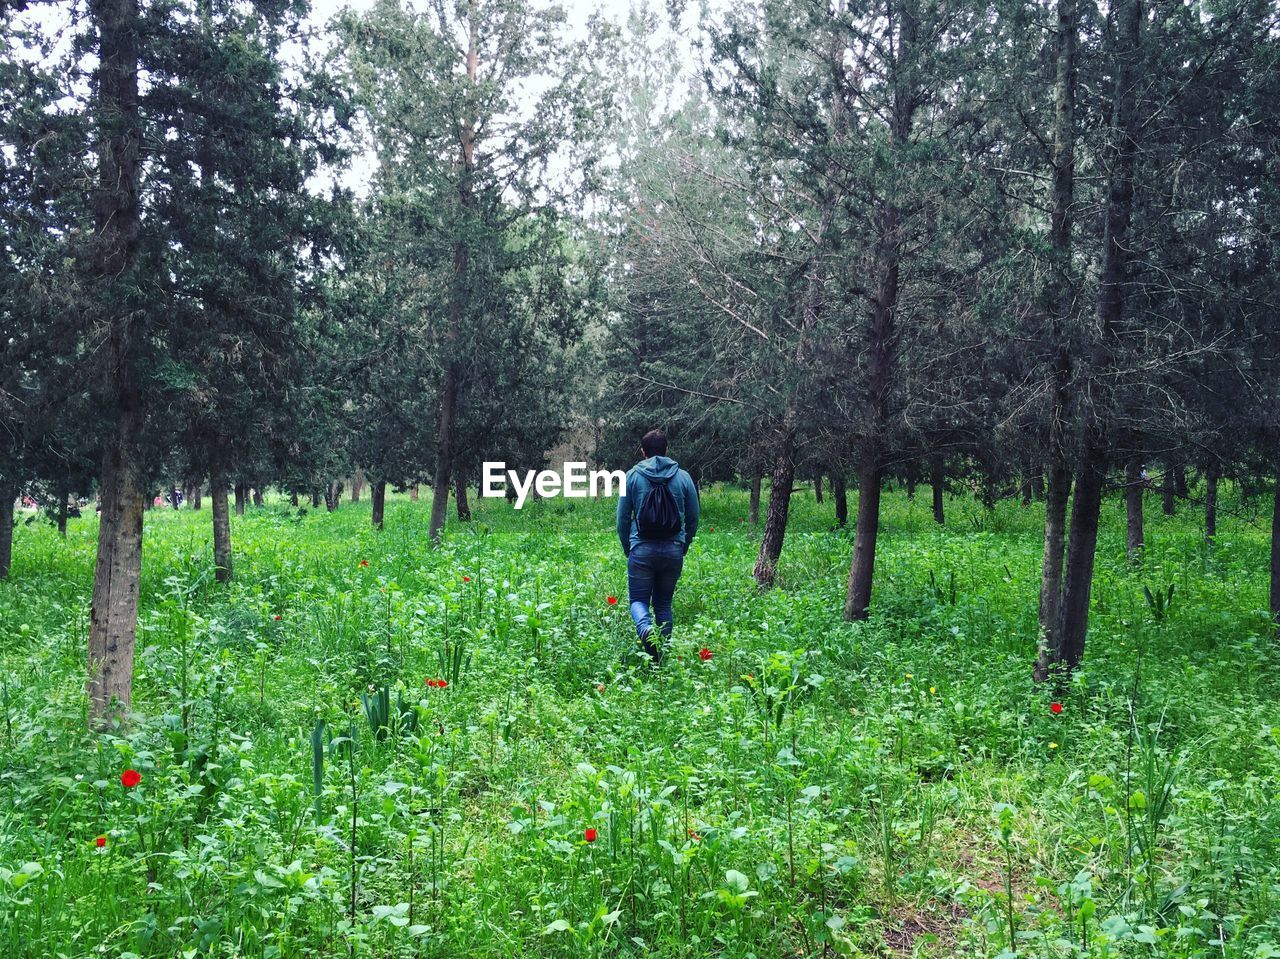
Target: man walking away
[{"x": 657, "y": 521}]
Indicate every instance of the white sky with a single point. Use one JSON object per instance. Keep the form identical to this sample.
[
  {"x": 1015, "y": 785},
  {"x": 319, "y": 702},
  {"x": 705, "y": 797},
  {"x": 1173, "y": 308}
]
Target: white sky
[
  {"x": 55, "y": 21},
  {"x": 357, "y": 176}
]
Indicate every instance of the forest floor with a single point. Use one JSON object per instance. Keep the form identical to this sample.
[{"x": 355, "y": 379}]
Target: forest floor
[{"x": 814, "y": 788}]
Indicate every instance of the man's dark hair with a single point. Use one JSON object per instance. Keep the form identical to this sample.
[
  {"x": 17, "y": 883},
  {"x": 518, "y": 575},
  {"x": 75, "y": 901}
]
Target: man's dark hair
[{"x": 654, "y": 443}]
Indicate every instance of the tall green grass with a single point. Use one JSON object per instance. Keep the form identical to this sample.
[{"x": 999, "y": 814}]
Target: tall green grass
[{"x": 815, "y": 788}]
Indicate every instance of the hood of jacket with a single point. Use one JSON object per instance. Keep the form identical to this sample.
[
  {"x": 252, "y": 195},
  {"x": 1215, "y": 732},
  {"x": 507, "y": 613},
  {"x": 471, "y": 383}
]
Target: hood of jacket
[{"x": 659, "y": 469}]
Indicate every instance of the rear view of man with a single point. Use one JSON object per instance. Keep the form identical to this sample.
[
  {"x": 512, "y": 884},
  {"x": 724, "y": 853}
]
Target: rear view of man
[{"x": 657, "y": 521}]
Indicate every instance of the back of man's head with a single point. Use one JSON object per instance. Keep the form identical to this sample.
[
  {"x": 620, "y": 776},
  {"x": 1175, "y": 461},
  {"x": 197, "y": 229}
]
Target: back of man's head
[{"x": 654, "y": 443}]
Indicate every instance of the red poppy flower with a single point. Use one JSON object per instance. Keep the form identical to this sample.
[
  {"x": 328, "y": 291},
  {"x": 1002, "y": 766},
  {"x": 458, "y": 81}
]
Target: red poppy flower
[
  {"x": 590, "y": 835},
  {"x": 441, "y": 683},
  {"x": 130, "y": 778},
  {"x": 1055, "y": 708},
  {"x": 466, "y": 579},
  {"x": 100, "y": 841},
  {"x": 612, "y": 600},
  {"x": 277, "y": 615},
  {"x": 704, "y": 654},
  {"x": 364, "y": 563},
  {"x": 711, "y": 530}
]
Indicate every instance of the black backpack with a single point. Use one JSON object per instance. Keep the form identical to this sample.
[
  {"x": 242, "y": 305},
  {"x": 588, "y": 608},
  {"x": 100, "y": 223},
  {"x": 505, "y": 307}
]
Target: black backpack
[{"x": 659, "y": 518}]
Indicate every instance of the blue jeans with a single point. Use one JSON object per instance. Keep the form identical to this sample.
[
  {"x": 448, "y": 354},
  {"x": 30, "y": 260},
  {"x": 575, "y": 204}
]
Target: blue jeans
[{"x": 653, "y": 567}]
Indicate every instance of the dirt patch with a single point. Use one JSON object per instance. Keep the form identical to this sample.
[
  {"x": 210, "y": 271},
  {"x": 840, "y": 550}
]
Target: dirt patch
[{"x": 938, "y": 923}]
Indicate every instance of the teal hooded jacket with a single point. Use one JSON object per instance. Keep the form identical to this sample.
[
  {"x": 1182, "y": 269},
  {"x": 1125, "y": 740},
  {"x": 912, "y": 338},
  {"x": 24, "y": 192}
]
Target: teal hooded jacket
[{"x": 640, "y": 480}]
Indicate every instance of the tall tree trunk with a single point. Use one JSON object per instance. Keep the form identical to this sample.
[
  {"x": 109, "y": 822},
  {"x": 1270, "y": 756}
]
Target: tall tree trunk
[
  {"x": 753, "y": 506},
  {"x": 911, "y": 481},
  {"x": 775, "y": 521},
  {"x": 413, "y": 493},
  {"x": 316, "y": 498},
  {"x": 62, "y": 509},
  {"x": 1133, "y": 487},
  {"x": 379, "y": 488},
  {"x": 443, "y": 477},
  {"x": 8, "y": 494},
  {"x": 1180, "y": 481},
  {"x": 857, "y": 603},
  {"x": 937, "y": 482},
  {"x": 242, "y": 493},
  {"x": 885, "y": 287},
  {"x": 1057, "y": 493},
  {"x": 1275, "y": 555},
  {"x": 221, "y": 526},
  {"x": 460, "y": 500},
  {"x": 293, "y": 498},
  {"x": 817, "y": 488},
  {"x": 458, "y": 303},
  {"x": 118, "y": 569},
  {"x": 1059, "y": 307},
  {"x": 117, "y": 572},
  {"x": 258, "y": 499},
  {"x": 357, "y": 484},
  {"x": 1211, "y": 502},
  {"x": 1037, "y": 485},
  {"x": 1082, "y": 546},
  {"x": 1113, "y": 280},
  {"x": 841, "y": 496}
]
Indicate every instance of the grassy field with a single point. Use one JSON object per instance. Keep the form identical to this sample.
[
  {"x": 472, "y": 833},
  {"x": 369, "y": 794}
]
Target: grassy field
[{"x": 814, "y": 788}]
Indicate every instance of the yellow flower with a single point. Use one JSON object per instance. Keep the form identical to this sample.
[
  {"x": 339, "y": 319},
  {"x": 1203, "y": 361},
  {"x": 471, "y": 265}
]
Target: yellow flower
[
  {"x": 932, "y": 690},
  {"x": 909, "y": 676},
  {"x": 1053, "y": 745}
]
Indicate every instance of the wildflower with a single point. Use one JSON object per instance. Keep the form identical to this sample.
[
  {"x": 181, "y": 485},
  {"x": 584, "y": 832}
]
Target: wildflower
[
  {"x": 130, "y": 778},
  {"x": 694, "y": 836},
  {"x": 277, "y": 616},
  {"x": 100, "y": 841},
  {"x": 908, "y": 675},
  {"x": 932, "y": 691},
  {"x": 364, "y": 563},
  {"x": 441, "y": 683},
  {"x": 704, "y": 654},
  {"x": 612, "y": 600},
  {"x": 1055, "y": 708},
  {"x": 590, "y": 835},
  {"x": 711, "y": 530},
  {"x": 1053, "y": 745},
  {"x": 466, "y": 579},
  {"x": 599, "y": 687}
]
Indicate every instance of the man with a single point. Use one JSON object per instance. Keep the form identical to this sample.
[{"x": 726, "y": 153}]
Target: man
[{"x": 657, "y": 521}]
